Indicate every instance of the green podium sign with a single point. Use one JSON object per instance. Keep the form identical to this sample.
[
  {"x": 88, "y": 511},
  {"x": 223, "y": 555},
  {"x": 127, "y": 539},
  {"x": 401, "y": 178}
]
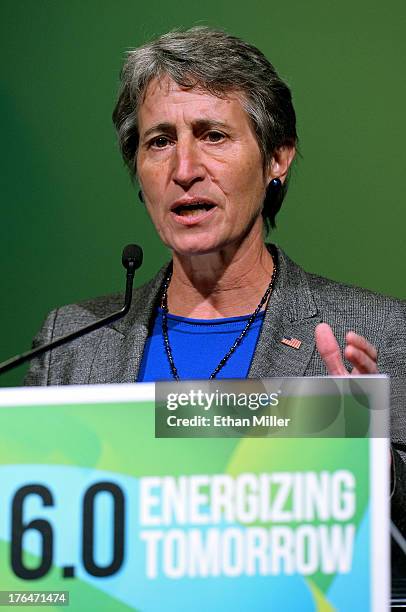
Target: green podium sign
[{"x": 113, "y": 507}]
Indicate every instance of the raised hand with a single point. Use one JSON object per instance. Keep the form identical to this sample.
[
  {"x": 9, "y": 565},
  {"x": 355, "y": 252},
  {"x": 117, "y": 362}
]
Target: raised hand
[{"x": 358, "y": 351}]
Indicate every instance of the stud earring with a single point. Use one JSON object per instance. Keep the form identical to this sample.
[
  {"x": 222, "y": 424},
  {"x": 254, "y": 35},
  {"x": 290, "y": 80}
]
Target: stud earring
[{"x": 275, "y": 185}]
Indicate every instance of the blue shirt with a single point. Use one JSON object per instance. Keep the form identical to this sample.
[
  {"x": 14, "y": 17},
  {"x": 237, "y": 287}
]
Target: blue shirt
[{"x": 198, "y": 345}]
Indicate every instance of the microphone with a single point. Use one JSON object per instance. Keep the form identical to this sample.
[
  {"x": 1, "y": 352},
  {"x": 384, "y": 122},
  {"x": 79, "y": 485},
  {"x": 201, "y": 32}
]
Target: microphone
[{"x": 131, "y": 260}]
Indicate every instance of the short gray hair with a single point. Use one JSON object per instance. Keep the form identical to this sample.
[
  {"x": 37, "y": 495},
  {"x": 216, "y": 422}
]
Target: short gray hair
[{"x": 220, "y": 64}]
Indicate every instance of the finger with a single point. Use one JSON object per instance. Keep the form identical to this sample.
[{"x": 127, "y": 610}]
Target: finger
[
  {"x": 361, "y": 361},
  {"x": 362, "y": 343},
  {"x": 329, "y": 350}
]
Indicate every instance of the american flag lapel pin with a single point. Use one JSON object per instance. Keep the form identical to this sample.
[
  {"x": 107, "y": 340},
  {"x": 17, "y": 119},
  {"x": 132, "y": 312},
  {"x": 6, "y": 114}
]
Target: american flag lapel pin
[{"x": 292, "y": 342}]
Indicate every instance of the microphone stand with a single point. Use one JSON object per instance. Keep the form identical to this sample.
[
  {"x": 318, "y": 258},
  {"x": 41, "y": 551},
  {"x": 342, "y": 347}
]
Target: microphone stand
[{"x": 132, "y": 260}]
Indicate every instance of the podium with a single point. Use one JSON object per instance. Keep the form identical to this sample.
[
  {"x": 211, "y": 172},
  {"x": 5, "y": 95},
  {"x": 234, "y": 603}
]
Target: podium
[{"x": 120, "y": 497}]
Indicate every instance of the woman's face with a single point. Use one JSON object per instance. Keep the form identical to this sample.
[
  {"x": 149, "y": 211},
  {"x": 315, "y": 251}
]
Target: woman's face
[{"x": 200, "y": 168}]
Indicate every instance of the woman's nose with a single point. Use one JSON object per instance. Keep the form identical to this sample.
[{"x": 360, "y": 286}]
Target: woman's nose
[{"x": 188, "y": 166}]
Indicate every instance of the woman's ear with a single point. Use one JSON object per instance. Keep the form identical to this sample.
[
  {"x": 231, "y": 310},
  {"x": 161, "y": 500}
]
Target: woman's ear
[{"x": 280, "y": 163}]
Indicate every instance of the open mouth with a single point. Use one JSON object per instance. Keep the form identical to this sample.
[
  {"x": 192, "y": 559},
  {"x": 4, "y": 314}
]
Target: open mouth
[{"x": 192, "y": 210}]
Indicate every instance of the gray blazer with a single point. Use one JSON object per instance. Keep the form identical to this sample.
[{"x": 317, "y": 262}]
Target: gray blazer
[{"x": 298, "y": 303}]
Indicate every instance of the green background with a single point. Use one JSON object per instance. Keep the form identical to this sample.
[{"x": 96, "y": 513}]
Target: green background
[{"x": 67, "y": 203}]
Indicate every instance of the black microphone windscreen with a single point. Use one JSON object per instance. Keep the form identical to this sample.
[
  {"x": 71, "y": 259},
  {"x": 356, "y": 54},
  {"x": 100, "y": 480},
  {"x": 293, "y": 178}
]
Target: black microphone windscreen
[{"x": 132, "y": 256}]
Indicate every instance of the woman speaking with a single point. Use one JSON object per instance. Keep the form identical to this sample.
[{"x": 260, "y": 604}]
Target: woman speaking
[{"x": 207, "y": 127}]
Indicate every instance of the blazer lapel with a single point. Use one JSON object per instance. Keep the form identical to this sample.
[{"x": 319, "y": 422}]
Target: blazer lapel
[
  {"x": 119, "y": 353},
  {"x": 291, "y": 313}
]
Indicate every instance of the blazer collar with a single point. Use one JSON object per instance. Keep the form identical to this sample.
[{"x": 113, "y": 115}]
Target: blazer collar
[
  {"x": 291, "y": 313},
  {"x": 119, "y": 353}
]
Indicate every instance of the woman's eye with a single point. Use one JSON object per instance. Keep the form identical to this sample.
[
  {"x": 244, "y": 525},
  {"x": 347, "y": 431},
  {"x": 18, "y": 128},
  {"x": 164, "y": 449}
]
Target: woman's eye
[
  {"x": 214, "y": 136},
  {"x": 159, "y": 142}
]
